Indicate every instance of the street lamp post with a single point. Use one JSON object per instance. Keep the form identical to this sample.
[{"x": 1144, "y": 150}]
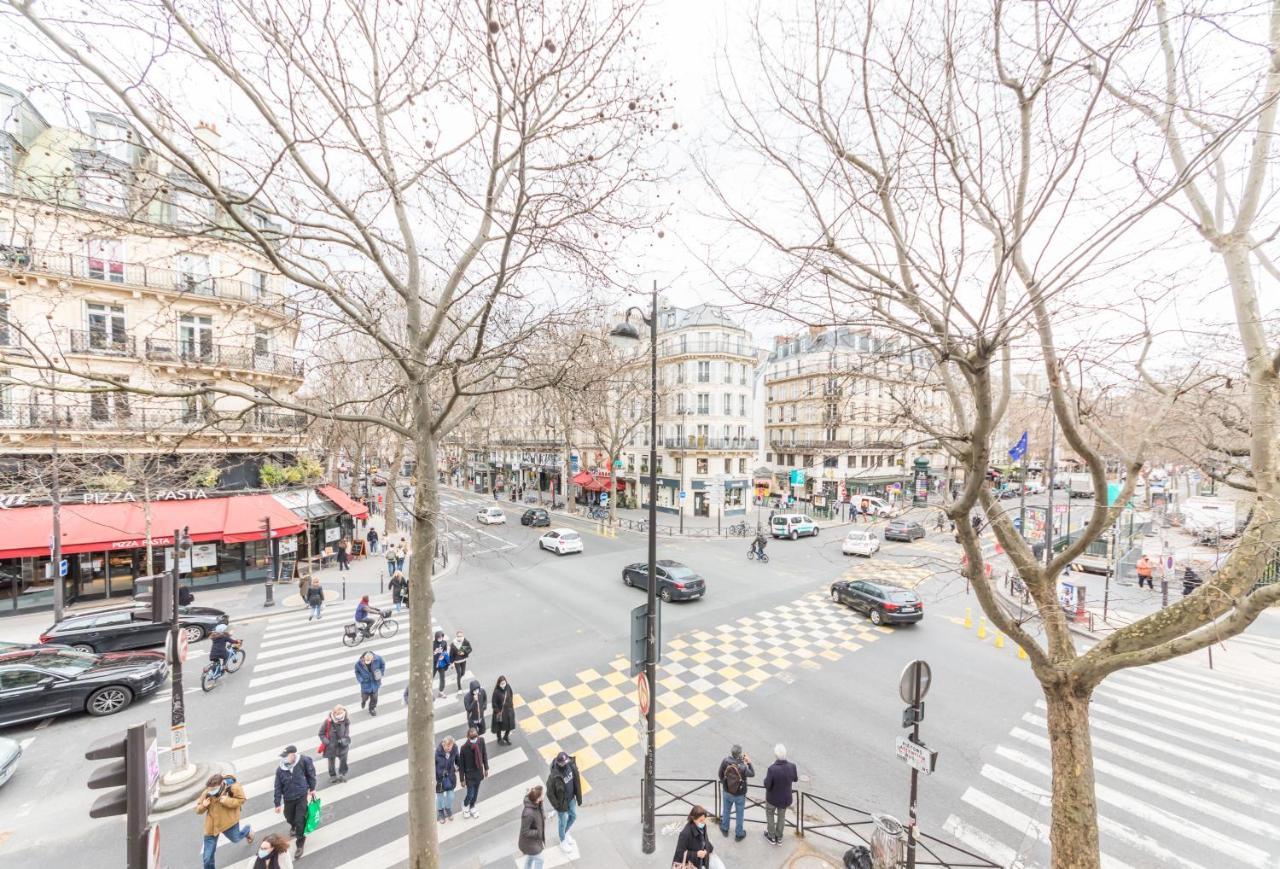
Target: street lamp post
[
  {"x": 177, "y": 708},
  {"x": 648, "y": 799}
]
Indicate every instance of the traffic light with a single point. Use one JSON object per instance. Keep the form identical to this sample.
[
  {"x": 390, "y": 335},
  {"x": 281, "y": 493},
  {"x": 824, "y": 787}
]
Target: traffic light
[{"x": 132, "y": 775}]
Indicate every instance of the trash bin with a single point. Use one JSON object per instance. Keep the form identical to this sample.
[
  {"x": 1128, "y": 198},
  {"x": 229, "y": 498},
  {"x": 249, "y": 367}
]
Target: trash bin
[{"x": 888, "y": 842}]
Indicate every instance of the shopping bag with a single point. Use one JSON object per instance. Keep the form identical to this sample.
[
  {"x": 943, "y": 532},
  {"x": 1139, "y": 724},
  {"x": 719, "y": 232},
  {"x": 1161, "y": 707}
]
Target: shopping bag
[{"x": 313, "y": 816}]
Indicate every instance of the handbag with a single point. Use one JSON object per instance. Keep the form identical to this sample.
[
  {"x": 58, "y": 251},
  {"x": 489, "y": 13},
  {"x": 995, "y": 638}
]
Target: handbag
[
  {"x": 313, "y": 816},
  {"x": 325, "y": 738},
  {"x": 682, "y": 863}
]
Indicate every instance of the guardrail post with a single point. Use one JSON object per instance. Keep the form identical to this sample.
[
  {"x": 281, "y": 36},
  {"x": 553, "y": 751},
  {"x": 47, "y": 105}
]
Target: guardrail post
[{"x": 800, "y": 815}]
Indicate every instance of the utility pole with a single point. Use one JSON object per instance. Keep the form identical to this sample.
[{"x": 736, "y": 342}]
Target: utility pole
[
  {"x": 177, "y": 708},
  {"x": 55, "y": 545},
  {"x": 271, "y": 564},
  {"x": 649, "y": 798}
]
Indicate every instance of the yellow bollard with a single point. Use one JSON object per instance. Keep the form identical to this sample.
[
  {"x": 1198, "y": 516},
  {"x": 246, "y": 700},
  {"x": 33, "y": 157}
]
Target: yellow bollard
[
  {"x": 982, "y": 629},
  {"x": 968, "y": 618},
  {"x": 999, "y": 640},
  {"x": 1022, "y": 654}
]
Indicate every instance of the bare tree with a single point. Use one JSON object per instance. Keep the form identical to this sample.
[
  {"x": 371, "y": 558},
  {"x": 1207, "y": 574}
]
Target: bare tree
[{"x": 612, "y": 405}]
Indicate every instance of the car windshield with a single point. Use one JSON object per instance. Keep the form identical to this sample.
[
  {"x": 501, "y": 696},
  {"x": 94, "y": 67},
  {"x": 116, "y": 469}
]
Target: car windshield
[{"x": 66, "y": 663}]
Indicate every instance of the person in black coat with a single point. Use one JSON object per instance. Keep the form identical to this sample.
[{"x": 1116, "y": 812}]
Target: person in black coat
[
  {"x": 295, "y": 788},
  {"x": 335, "y": 740},
  {"x": 778, "y": 779},
  {"x": 446, "y": 778},
  {"x": 399, "y": 590},
  {"x": 504, "y": 710},
  {"x": 693, "y": 847},
  {"x": 476, "y": 702},
  {"x": 473, "y": 760}
]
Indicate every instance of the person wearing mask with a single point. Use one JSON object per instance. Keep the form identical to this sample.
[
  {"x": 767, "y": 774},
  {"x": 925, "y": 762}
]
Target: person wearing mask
[
  {"x": 399, "y": 590},
  {"x": 778, "y": 780},
  {"x": 295, "y": 788},
  {"x": 533, "y": 829},
  {"x": 693, "y": 848},
  {"x": 364, "y": 616},
  {"x": 475, "y": 704},
  {"x": 473, "y": 761},
  {"x": 273, "y": 853},
  {"x": 344, "y": 555},
  {"x": 372, "y": 539},
  {"x": 734, "y": 772},
  {"x": 369, "y": 671},
  {"x": 221, "y": 803},
  {"x": 391, "y": 556},
  {"x": 564, "y": 792},
  {"x": 440, "y": 660},
  {"x": 335, "y": 739},
  {"x": 315, "y": 599},
  {"x": 504, "y": 711},
  {"x": 458, "y": 653},
  {"x": 446, "y": 778}
]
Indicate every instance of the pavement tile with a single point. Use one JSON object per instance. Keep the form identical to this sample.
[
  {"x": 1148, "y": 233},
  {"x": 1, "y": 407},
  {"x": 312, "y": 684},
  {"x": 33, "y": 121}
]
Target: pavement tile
[
  {"x": 602, "y": 712},
  {"x": 552, "y": 687},
  {"x": 572, "y": 708},
  {"x": 531, "y": 724},
  {"x": 587, "y": 758},
  {"x": 608, "y": 695},
  {"x": 616, "y": 677},
  {"x": 619, "y": 761},
  {"x": 577, "y": 692},
  {"x": 560, "y": 730},
  {"x": 586, "y": 675},
  {"x": 539, "y": 706}
]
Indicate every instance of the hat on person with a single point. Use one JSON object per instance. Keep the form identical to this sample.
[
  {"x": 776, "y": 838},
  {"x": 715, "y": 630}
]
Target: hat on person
[
  {"x": 288, "y": 750},
  {"x": 562, "y": 758}
]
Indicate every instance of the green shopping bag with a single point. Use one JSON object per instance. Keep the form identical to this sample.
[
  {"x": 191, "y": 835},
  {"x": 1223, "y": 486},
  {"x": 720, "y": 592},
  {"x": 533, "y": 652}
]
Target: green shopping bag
[{"x": 313, "y": 816}]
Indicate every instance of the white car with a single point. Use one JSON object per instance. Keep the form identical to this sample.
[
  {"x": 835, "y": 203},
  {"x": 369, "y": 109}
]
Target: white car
[
  {"x": 875, "y": 506},
  {"x": 860, "y": 543},
  {"x": 491, "y": 516},
  {"x": 561, "y": 541}
]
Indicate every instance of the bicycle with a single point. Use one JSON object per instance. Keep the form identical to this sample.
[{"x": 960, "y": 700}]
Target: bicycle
[
  {"x": 739, "y": 529},
  {"x": 761, "y": 556},
  {"x": 214, "y": 671},
  {"x": 355, "y": 633},
  {"x": 599, "y": 513}
]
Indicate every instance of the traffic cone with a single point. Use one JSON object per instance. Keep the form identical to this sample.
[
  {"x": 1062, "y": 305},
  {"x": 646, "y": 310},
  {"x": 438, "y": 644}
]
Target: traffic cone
[
  {"x": 1022, "y": 654},
  {"x": 968, "y": 618},
  {"x": 982, "y": 629},
  {"x": 999, "y": 640}
]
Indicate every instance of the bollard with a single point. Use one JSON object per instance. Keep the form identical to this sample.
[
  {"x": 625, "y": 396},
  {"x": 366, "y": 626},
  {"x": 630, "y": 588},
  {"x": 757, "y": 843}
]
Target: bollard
[
  {"x": 344, "y": 589},
  {"x": 982, "y": 629},
  {"x": 968, "y": 618},
  {"x": 1022, "y": 654},
  {"x": 999, "y": 640},
  {"x": 379, "y": 583}
]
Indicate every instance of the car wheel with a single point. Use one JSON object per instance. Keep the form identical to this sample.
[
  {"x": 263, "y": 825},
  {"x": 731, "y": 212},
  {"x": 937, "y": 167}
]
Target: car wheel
[
  {"x": 816, "y": 529},
  {"x": 83, "y": 647},
  {"x": 666, "y": 595},
  {"x": 108, "y": 700},
  {"x": 793, "y": 535},
  {"x": 194, "y": 633},
  {"x": 876, "y": 618},
  {"x": 835, "y": 596},
  {"x": 626, "y": 580}
]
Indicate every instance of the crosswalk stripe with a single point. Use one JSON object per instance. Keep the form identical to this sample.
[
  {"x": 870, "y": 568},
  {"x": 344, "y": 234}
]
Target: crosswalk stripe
[
  {"x": 1243, "y": 688},
  {"x": 1181, "y": 722},
  {"x": 1167, "y": 681},
  {"x": 400, "y": 657},
  {"x": 293, "y": 664},
  {"x": 319, "y": 700},
  {"x": 975, "y": 840},
  {"x": 328, "y": 636},
  {"x": 309, "y": 664},
  {"x": 1237, "y": 717}
]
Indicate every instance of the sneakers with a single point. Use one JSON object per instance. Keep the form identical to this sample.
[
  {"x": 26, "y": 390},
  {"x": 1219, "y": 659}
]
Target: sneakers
[
  {"x": 772, "y": 840},
  {"x": 568, "y": 840},
  {"x": 566, "y": 847},
  {"x": 297, "y": 855},
  {"x": 475, "y": 813},
  {"x": 248, "y": 835}
]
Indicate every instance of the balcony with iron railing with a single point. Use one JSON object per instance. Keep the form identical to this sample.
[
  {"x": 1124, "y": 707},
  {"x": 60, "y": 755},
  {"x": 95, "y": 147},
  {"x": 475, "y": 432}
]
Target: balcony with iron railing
[
  {"x": 102, "y": 342},
  {"x": 777, "y": 442},
  {"x": 209, "y": 355},
  {"x": 698, "y": 442},
  {"x": 134, "y": 419},
  {"x": 22, "y": 260},
  {"x": 711, "y": 347}
]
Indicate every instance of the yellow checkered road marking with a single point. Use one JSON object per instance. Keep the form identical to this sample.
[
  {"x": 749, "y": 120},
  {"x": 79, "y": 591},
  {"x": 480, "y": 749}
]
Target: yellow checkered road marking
[{"x": 884, "y": 571}]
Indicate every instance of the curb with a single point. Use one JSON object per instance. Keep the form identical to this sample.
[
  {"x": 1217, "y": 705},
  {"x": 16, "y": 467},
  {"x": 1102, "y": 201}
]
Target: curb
[{"x": 182, "y": 793}]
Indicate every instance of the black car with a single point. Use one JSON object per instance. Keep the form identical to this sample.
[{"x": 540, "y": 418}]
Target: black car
[
  {"x": 109, "y": 630},
  {"x": 883, "y": 604},
  {"x": 38, "y": 683},
  {"x": 676, "y": 581},
  {"x": 536, "y": 517},
  {"x": 900, "y": 529}
]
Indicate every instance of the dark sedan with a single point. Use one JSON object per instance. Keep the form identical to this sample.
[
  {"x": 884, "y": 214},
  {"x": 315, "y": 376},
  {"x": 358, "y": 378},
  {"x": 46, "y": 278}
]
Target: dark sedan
[
  {"x": 676, "y": 581},
  {"x": 883, "y": 604},
  {"x": 39, "y": 683},
  {"x": 904, "y": 531},
  {"x": 536, "y": 518},
  {"x": 110, "y": 630}
]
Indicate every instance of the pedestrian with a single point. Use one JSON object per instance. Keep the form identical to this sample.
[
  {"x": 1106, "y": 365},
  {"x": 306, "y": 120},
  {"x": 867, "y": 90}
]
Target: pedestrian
[
  {"x": 295, "y": 788},
  {"x": 221, "y": 803},
  {"x": 273, "y": 853},
  {"x": 315, "y": 599},
  {"x": 778, "y": 779},
  {"x": 458, "y": 653},
  {"x": 734, "y": 772},
  {"x": 402, "y": 553},
  {"x": 693, "y": 848},
  {"x": 446, "y": 778},
  {"x": 391, "y": 556},
  {"x": 372, "y": 539},
  {"x": 475, "y": 703},
  {"x": 335, "y": 740},
  {"x": 564, "y": 792},
  {"x": 1144, "y": 567},
  {"x": 399, "y": 589},
  {"x": 533, "y": 829},
  {"x": 344, "y": 554},
  {"x": 473, "y": 761},
  {"x": 1190, "y": 581},
  {"x": 369, "y": 671},
  {"x": 504, "y": 710},
  {"x": 440, "y": 660}
]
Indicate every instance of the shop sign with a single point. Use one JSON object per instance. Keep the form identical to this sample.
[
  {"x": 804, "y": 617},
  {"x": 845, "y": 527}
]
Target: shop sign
[
  {"x": 131, "y": 497},
  {"x": 332, "y": 534},
  {"x": 204, "y": 555},
  {"x": 288, "y": 545}
]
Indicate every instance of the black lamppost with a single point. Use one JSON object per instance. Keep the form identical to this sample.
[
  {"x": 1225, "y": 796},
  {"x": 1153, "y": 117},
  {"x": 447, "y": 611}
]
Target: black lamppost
[
  {"x": 626, "y": 331},
  {"x": 177, "y": 709}
]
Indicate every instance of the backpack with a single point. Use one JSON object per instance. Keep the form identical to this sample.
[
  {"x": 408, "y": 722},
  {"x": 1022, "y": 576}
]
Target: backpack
[{"x": 734, "y": 782}]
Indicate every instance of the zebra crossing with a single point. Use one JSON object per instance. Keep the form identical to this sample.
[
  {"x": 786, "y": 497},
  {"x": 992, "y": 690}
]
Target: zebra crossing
[
  {"x": 1187, "y": 765},
  {"x": 297, "y": 674}
]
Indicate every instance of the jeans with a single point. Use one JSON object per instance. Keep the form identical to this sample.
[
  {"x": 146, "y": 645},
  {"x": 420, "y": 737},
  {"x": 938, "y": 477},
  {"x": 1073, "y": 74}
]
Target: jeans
[
  {"x": 391, "y": 569},
  {"x": 444, "y": 804},
  {"x": 234, "y": 833},
  {"x": 400, "y": 564},
  {"x": 315, "y": 611},
  {"x": 373, "y": 546},
  {"x": 532, "y": 861},
  {"x": 564, "y": 820},
  {"x": 398, "y": 603},
  {"x": 473, "y": 793},
  {"x": 731, "y": 802},
  {"x": 775, "y": 820}
]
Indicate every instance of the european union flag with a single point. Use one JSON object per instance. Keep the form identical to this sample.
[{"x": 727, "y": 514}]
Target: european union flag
[{"x": 1019, "y": 449}]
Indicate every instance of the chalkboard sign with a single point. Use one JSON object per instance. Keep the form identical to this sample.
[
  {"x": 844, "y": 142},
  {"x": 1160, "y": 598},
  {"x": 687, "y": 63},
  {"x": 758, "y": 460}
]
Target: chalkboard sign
[
  {"x": 357, "y": 549},
  {"x": 286, "y": 570}
]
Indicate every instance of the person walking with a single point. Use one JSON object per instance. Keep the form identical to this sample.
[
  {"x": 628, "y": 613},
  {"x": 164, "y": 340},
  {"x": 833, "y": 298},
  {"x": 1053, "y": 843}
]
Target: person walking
[
  {"x": 440, "y": 661},
  {"x": 734, "y": 772},
  {"x": 390, "y": 555},
  {"x": 446, "y": 778},
  {"x": 371, "y": 538},
  {"x": 778, "y": 779},
  {"x": 504, "y": 711},
  {"x": 475, "y": 703},
  {"x": 273, "y": 853},
  {"x": 344, "y": 554},
  {"x": 221, "y": 803},
  {"x": 1144, "y": 568},
  {"x": 458, "y": 653},
  {"x": 533, "y": 829},
  {"x": 335, "y": 739},
  {"x": 315, "y": 599},
  {"x": 369, "y": 670},
  {"x": 473, "y": 761},
  {"x": 564, "y": 792},
  {"x": 399, "y": 589},
  {"x": 402, "y": 553},
  {"x": 693, "y": 848},
  {"x": 295, "y": 788},
  {"x": 1190, "y": 581}
]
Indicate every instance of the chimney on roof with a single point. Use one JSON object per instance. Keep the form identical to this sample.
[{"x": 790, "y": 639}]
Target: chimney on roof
[
  {"x": 209, "y": 143},
  {"x": 779, "y": 340},
  {"x": 815, "y": 331}
]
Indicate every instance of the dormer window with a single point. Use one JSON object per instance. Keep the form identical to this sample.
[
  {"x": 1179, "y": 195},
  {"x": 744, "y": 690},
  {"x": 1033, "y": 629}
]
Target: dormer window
[{"x": 113, "y": 138}]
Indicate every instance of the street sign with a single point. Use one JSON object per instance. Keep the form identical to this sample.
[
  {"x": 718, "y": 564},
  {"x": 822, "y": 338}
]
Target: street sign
[
  {"x": 642, "y": 692},
  {"x": 639, "y": 624},
  {"x": 916, "y": 756},
  {"x": 797, "y": 477},
  {"x": 604, "y": 499},
  {"x": 682, "y": 494},
  {"x": 914, "y": 683},
  {"x": 62, "y": 567}
]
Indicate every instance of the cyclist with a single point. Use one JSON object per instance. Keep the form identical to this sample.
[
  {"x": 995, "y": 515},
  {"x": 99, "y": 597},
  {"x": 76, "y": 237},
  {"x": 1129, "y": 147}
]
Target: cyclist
[
  {"x": 363, "y": 617},
  {"x": 220, "y": 643},
  {"x": 941, "y": 523},
  {"x": 757, "y": 545}
]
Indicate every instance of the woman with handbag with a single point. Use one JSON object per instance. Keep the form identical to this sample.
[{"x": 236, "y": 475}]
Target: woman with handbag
[
  {"x": 504, "y": 712},
  {"x": 446, "y": 778},
  {"x": 335, "y": 740},
  {"x": 693, "y": 849}
]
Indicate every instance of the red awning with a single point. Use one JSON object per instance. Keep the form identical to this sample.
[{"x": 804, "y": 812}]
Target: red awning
[
  {"x": 600, "y": 483},
  {"x": 581, "y": 478},
  {"x": 343, "y": 500},
  {"x": 28, "y": 531}
]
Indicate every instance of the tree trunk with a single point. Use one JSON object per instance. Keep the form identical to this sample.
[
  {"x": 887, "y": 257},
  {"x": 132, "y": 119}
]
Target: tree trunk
[
  {"x": 390, "y": 525},
  {"x": 1074, "y": 832},
  {"x": 613, "y": 493},
  {"x": 423, "y": 842}
]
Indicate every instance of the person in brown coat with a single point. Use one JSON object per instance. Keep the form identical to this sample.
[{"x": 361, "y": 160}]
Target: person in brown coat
[
  {"x": 220, "y": 804},
  {"x": 533, "y": 829}
]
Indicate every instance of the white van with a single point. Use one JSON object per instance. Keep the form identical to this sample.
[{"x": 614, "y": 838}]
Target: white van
[{"x": 792, "y": 525}]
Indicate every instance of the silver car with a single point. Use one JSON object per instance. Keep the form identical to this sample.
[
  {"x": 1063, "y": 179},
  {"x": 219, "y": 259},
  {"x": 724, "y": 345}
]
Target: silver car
[{"x": 10, "y": 752}]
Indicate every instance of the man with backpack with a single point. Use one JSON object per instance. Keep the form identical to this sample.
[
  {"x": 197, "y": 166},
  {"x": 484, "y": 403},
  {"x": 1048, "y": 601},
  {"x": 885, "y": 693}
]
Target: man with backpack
[{"x": 734, "y": 772}]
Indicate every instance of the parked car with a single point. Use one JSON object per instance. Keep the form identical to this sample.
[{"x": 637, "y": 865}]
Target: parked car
[
  {"x": 676, "y": 581},
  {"x": 792, "y": 525},
  {"x": 38, "y": 683},
  {"x": 7, "y": 646},
  {"x": 536, "y": 518},
  {"x": 875, "y": 506},
  {"x": 1008, "y": 492},
  {"x": 109, "y": 630},
  {"x": 561, "y": 541},
  {"x": 10, "y": 752},
  {"x": 860, "y": 543},
  {"x": 491, "y": 516},
  {"x": 900, "y": 529},
  {"x": 883, "y": 604}
]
